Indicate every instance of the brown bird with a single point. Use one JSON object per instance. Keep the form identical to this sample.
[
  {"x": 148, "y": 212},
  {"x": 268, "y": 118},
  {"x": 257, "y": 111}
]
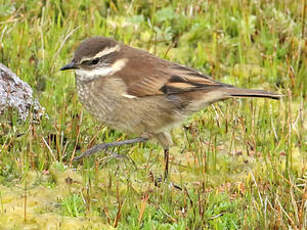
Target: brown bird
[{"x": 133, "y": 91}]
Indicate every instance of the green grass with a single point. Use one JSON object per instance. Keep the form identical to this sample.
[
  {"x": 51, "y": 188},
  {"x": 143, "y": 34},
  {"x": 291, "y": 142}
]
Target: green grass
[{"x": 241, "y": 163}]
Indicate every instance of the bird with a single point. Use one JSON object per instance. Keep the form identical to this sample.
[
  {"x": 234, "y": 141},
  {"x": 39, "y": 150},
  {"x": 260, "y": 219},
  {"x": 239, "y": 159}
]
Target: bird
[{"x": 136, "y": 92}]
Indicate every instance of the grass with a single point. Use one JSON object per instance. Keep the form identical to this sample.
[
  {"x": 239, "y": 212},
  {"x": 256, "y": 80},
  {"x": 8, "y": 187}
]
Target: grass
[{"x": 241, "y": 163}]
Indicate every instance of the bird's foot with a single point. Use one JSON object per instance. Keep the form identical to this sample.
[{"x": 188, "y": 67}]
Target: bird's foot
[{"x": 159, "y": 181}]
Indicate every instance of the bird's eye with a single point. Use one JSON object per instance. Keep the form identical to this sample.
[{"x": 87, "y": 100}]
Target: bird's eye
[{"x": 95, "y": 61}]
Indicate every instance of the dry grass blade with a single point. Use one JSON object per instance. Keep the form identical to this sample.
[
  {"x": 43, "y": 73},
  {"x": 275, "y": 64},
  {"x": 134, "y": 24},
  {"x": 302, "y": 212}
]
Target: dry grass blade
[{"x": 143, "y": 207}]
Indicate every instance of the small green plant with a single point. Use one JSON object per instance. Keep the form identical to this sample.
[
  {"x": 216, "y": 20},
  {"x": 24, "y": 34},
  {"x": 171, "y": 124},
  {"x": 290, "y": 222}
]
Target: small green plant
[{"x": 73, "y": 205}]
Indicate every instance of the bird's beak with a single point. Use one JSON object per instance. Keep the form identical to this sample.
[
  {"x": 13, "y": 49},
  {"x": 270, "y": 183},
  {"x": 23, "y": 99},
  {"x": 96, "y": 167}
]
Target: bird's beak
[{"x": 71, "y": 65}]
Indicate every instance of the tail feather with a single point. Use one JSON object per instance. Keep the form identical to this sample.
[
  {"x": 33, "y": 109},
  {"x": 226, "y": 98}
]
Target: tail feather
[{"x": 238, "y": 92}]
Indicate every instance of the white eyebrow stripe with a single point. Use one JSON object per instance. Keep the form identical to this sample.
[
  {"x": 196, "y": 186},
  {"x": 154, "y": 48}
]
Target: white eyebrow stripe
[
  {"x": 103, "y": 71},
  {"x": 102, "y": 53}
]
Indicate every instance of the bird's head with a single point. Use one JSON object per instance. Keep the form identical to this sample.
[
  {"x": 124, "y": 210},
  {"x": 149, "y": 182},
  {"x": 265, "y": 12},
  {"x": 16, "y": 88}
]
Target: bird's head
[{"x": 97, "y": 57}]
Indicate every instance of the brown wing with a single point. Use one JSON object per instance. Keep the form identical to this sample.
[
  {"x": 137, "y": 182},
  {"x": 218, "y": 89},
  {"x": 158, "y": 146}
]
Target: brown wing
[{"x": 147, "y": 75}]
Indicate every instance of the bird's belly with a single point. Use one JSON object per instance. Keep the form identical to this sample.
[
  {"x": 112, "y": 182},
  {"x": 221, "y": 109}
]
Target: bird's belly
[{"x": 131, "y": 115}]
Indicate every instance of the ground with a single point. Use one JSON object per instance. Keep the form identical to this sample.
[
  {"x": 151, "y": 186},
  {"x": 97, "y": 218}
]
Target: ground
[{"x": 241, "y": 163}]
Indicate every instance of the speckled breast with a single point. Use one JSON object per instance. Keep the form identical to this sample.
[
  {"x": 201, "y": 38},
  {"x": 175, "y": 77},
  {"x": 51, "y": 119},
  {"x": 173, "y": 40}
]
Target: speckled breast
[{"x": 102, "y": 98}]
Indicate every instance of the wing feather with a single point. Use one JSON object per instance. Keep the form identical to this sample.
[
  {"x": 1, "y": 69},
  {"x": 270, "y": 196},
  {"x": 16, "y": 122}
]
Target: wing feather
[{"x": 148, "y": 75}]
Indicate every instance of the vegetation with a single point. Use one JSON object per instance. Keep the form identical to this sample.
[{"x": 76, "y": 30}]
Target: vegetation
[{"x": 241, "y": 163}]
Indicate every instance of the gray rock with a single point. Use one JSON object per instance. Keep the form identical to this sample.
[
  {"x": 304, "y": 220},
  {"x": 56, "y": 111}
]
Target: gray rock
[{"x": 17, "y": 94}]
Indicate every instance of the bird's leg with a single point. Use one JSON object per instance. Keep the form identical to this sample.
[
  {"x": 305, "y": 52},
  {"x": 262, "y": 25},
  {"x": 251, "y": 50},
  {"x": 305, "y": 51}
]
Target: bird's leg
[
  {"x": 104, "y": 146},
  {"x": 166, "y": 159},
  {"x": 159, "y": 180}
]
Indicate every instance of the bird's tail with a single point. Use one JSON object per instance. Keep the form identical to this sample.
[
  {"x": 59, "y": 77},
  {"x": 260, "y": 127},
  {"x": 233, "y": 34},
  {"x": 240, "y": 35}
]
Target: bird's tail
[{"x": 238, "y": 92}]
